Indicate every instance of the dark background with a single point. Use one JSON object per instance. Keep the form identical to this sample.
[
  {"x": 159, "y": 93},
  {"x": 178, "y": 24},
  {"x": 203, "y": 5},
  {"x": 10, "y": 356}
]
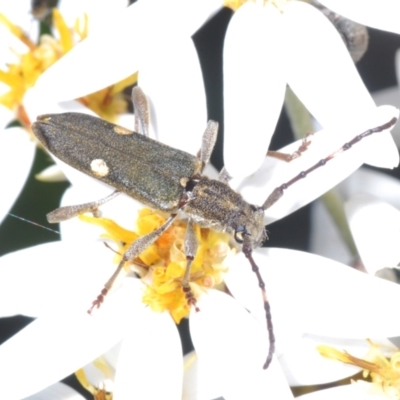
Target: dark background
[{"x": 38, "y": 198}]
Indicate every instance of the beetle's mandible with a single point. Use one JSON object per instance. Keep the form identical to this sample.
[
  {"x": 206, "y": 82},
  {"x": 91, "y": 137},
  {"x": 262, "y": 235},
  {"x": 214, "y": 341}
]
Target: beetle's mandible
[{"x": 165, "y": 179}]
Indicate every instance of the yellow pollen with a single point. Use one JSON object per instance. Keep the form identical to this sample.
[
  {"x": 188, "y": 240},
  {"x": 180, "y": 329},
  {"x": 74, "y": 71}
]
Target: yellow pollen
[
  {"x": 162, "y": 265},
  {"x": 384, "y": 372},
  {"x": 22, "y": 75}
]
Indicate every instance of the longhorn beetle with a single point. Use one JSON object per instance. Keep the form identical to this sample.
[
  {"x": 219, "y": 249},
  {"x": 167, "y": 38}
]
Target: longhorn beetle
[{"x": 165, "y": 179}]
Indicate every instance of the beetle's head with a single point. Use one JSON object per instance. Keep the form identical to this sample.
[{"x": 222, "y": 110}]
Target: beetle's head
[{"x": 249, "y": 229}]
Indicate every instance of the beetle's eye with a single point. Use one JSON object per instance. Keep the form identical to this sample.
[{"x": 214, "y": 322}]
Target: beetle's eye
[{"x": 239, "y": 233}]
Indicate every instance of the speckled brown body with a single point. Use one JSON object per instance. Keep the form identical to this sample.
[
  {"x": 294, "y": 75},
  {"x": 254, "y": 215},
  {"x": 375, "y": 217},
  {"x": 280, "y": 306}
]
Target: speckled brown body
[
  {"x": 215, "y": 205},
  {"x": 157, "y": 175}
]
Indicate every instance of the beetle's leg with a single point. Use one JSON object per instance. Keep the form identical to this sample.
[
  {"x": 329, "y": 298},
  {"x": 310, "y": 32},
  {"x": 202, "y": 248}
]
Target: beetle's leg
[
  {"x": 64, "y": 213},
  {"x": 208, "y": 142},
  {"x": 290, "y": 157},
  {"x": 135, "y": 249},
  {"x": 278, "y": 192},
  {"x": 191, "y": 246},
  {"x": 142, "y": 111},
  {"x": 224, "y": 175}
]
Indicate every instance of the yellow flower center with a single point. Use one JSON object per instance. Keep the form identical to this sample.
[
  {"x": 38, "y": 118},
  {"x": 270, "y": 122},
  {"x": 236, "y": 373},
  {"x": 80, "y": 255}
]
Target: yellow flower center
[
  {"x": 22, "y": 75},
  {"x": 384, "y": 372},
  {"x": 162, "y": 265}
]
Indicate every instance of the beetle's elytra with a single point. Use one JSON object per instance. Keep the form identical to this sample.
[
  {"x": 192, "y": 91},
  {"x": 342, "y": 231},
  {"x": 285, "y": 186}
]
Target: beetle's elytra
[
  {"x": 144, "y": 169},
  {"x": 165, "y": 179}
]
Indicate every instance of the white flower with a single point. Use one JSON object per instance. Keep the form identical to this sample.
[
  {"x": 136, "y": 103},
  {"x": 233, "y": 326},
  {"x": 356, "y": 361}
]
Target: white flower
[
  {"x": 76, "y": 338},
  {"x": 304, "y": 308},
  {"x": 59, "y": 391},
  {"x": 269, "y": 48},
  {"x": 16, "y": 156},
  {"x": 379, "y": 364},
  {"x": 16, "y": 149},
  {"x": 359, "y": 391},
  {"x": 306, "y": 312},
  {"x": 372, "y": 209},
  {"x": 265, "y": 47}
]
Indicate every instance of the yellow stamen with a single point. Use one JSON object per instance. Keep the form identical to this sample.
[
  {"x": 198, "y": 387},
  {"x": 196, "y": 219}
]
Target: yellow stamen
[
  {"x": 384, "y": 372},
  {"x": 16, "y": 31},
  {"x": 333, "y": 354},
  {"x": 97, "y": 392},
  {"x": 81, "y": 26},
  {"x": 163, "y": 264},
  {"x": 66, "y": 40},
  {"x": 234, "y": 4},
  {"x": 22, "y": 75}
]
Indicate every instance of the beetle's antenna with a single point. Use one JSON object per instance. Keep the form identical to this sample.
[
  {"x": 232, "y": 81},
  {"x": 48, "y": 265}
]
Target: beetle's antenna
[
  {"x": 278, "y": 192},
  {"x": 248, "y": 253},
  {"x": 34, "y": 223}
]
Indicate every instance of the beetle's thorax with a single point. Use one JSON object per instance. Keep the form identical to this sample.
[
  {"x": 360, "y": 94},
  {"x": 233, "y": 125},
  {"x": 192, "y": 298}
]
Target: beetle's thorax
[{"x": 214, "y": 204}]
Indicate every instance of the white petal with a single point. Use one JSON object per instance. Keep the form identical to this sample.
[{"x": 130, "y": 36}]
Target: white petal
[
  {"x": 103, "y": 377},
  {"x": 99, "y": 12},
  {"x": 211, "y": 171},
  {"x": 373, "y": 183},
  {"x": 231, "y": 344},
  {"x": 243, "y": 284},
  {"x": 321, "y": 71},
  {"x": 6, "y": 115},
  {"x": 274, "y": 173},
  {"x": 36, "y": 103},
  {"x": 177, "y": 94},
  {"x": 150, "y": 362},
  {"x": 59, "y": 391},
  {"x": 198, "y": 383},
  {"x": 52, "y": 276},
  {"x": 322, "y": 296},
  {"x": 303, "y": 365},
  {"x": 252, "y": 56},
  {"x": 326, "y": 239},
  {"x": 359, "y": 391},
  {"x": 147, "y": 25},
  {"x": 16, "y": 156},
  {"x": 382, "y": 14},
  {"x": 323, "y": 74},
  {"x": 389, "y": 96},
  {"x": 54, "y": 346},
  {"x": 375, "y": 226},
  {"x": 51, "y": 174}
]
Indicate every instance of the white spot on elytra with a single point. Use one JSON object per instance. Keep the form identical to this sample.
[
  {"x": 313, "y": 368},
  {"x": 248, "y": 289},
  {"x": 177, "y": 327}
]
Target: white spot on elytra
[{"x": 99, "y": 168}]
